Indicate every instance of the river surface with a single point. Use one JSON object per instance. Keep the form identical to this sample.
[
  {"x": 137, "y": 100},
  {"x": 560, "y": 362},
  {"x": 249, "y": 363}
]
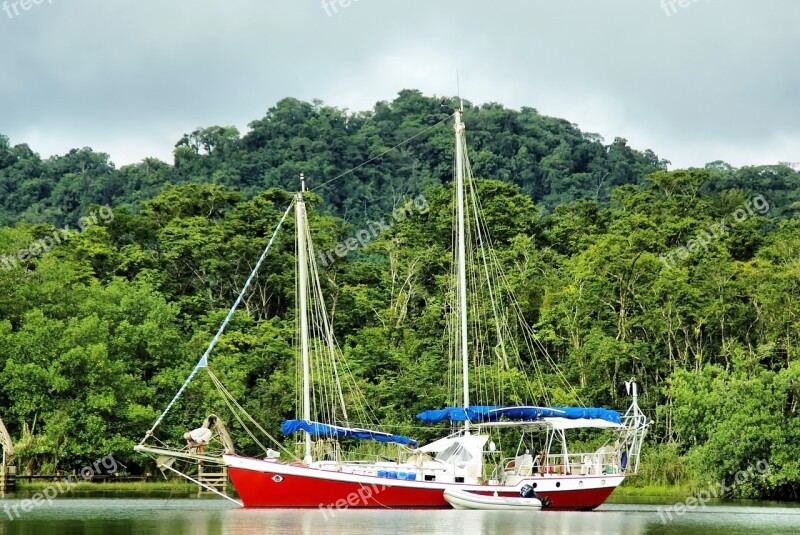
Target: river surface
[{"x": 116, "y": 515}]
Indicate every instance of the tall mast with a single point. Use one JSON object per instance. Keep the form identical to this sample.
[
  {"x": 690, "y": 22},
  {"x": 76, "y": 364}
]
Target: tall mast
[
  {"x": 462, "y": 267},
  {"x": 302, "y": 266}
]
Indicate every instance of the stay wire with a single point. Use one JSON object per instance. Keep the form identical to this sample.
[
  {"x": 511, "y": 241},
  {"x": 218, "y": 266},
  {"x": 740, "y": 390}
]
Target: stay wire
[
  {"x": 382, "y": 154},
  {"x": 227, "y": 394}
]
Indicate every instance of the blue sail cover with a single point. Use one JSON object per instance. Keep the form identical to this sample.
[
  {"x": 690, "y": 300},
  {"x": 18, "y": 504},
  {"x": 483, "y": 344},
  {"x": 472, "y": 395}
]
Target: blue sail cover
[
  {"x": 491, "y": 413},
  {"x": 317, "y": 429}
]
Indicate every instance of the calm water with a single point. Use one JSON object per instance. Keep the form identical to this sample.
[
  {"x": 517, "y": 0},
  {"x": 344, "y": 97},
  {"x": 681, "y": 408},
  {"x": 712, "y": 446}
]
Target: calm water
[{"x": 178, "y": 516}]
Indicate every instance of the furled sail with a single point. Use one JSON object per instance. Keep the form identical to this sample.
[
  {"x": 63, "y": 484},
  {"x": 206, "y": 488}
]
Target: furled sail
[
  {"x": 333, "y": 431},
  {"x": 484, "y": 413}
]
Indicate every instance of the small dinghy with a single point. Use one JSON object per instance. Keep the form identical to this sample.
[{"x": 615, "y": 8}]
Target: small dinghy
[{"x": 528, "y": 500}]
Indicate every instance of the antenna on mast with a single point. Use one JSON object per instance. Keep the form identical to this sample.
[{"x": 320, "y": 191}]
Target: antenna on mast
[{"x": 458, "y": 86}]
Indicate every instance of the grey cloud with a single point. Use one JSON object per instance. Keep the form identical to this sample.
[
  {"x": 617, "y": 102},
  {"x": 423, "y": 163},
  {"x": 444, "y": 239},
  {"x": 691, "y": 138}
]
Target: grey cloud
[{"x": 714, "y": 80}]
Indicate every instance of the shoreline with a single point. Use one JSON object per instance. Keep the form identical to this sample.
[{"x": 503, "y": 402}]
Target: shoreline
[
  {"x": 653, "y": 491},
  {"x": 173, "y": 485}
]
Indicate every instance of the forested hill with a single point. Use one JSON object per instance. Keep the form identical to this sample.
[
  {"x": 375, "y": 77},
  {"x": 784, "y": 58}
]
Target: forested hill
[
  {"x": 551, "y": 161},
  {"x": 687, "y": 280}
]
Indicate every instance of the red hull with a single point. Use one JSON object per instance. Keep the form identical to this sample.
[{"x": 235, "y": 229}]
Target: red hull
[{"x": 260, "y": 489}]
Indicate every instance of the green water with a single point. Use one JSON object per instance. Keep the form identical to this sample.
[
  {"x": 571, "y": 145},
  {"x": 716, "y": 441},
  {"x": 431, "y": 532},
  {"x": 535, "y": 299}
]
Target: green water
[{"x": 120, "y": 515}]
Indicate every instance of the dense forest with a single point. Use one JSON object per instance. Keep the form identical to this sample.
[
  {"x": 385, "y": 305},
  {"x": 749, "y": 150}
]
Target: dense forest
[
  {"x": 688, "y": 280},
  {"x": 551, "y": 161}
]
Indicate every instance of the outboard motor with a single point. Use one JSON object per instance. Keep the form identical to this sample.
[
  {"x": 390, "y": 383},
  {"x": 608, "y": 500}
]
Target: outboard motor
[{"x": 527, "y": 492}]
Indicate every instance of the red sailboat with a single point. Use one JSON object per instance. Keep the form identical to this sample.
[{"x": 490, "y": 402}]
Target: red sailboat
[{"x": 471, "y": 457}]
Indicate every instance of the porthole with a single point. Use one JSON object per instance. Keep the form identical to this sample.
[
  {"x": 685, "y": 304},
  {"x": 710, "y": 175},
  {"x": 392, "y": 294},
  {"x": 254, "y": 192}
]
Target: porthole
[
  {"x": 580, "y": 483},
  {"x": 535, "y": 485},
  {"x": 277, "y": 478},
  {"x": 558, "y": 484},
  {"x": 603, "y": 482}
]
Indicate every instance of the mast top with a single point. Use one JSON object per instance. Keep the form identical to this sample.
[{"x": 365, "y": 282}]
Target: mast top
[
  {"x": 302, "y": 183},
  {"x": 458, "y": 85}
]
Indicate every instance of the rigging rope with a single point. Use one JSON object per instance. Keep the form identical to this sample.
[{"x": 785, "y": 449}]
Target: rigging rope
[
  {"x": 382, "y": 154},
  {"x": 203, "y": 362},
  {"x": 228, "y": 395},
  {"x": 496, "y": 293}
]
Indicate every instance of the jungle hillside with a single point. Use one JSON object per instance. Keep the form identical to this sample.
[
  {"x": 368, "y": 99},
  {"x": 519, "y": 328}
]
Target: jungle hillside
[{"x": 114, "y": 280}]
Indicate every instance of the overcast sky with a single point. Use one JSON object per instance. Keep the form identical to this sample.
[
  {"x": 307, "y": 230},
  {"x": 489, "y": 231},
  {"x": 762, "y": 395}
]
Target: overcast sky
[{"x": 715, "y": 80}]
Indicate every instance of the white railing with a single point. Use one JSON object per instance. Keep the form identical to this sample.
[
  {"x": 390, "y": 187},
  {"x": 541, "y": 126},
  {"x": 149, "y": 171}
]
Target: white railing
[{"x": 587, "y": 464}]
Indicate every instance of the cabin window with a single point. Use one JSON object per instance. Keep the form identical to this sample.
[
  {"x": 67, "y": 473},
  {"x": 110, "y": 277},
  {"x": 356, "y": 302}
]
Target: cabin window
[{"x": 454, "y": 452}]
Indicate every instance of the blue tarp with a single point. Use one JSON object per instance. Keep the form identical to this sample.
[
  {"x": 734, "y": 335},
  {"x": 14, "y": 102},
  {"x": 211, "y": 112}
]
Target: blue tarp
[
  {"x": 492, "y": 413},
  {"x": 317, "y": 429}
]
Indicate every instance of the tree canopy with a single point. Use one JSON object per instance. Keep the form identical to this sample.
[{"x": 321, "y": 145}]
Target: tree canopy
[{"x": 604, "y": 247}]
